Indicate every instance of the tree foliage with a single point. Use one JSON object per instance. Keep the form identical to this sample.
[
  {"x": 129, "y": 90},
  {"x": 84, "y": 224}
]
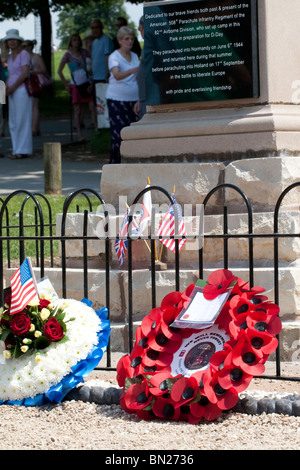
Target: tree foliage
[
  {"x": 78, "y": 19},
  {"x": 22, "y": 8}
]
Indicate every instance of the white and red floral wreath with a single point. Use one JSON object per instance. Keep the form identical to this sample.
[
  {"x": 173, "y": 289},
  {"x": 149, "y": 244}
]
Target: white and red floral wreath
[{"x": 189, "y": 374}]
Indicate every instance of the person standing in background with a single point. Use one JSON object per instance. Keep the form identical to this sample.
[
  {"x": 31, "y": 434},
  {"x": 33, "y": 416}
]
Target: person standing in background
[
  {"x": 20, "y": 104},
  {"x": 37, "y": 67},
  {"x": 121, "y": 21},
  {"x": 102, "y": 46},
  {"x": 75, "y": 58},
  {"x": 122, "y": 91}
]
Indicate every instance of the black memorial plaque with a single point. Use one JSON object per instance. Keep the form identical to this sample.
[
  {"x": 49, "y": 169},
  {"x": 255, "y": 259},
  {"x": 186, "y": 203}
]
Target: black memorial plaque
[{"x": 204, "y": 50}]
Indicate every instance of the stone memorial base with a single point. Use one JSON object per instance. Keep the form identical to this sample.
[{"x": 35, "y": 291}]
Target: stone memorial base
[{"x": 210, "y": 135}]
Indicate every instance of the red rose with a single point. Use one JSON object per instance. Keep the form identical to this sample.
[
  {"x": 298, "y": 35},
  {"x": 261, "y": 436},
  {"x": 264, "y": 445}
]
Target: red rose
[
  {"x": 53, "y": 330},
  {"x": 20, "y": 324},
  {"x": 7, "y": 299},
  {"x": 43, "y": 304}
]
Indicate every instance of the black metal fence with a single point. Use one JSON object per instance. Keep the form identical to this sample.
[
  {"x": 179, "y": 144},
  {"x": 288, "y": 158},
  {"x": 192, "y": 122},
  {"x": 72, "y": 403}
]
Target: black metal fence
[{"x": 41, "y": 232}]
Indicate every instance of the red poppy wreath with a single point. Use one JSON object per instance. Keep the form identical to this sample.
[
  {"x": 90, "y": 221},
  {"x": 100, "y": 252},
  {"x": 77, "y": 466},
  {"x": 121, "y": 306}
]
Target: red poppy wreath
[{"x": 192, "y": 357}]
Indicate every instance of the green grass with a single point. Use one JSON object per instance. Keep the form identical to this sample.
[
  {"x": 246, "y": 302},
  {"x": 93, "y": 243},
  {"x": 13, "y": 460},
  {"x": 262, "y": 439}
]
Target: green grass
[{"x": 56, "y": 203}]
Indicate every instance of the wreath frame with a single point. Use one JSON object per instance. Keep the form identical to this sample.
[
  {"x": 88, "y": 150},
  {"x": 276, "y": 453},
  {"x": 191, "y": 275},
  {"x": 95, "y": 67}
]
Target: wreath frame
[{"x": 150, "y": 390}]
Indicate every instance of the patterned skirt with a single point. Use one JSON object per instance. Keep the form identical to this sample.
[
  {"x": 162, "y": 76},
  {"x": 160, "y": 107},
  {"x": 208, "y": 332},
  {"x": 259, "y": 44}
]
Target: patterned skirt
[{"x": 121, "y": 114}]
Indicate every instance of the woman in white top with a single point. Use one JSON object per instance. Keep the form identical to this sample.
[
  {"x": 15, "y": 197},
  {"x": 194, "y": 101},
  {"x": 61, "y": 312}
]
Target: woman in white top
[
  {"x": 122, "y": 92},
  {"x": 20, "y": 104}
]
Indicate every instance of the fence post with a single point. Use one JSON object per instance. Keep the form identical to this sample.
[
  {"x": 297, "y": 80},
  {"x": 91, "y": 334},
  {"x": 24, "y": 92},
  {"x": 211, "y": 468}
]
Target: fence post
[{"x": 52, "y": 168}]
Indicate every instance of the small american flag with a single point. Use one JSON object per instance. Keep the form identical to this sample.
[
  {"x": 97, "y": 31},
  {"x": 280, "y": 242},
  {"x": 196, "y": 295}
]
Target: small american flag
[
  {"x": 168, "y": 226},
  {"x": 23, "y": 287},
  {"x": 121, "y": 245}
]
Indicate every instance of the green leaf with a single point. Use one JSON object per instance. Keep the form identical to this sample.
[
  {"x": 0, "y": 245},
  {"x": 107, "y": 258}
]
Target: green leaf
[
  {"x": 63, "y": 340},
  {"x": 129, "y": 382},
  {"x": 60, "y": 316},
  {"x": 17, "y": 351},
  {"x": 201, "y": 283},
  {"x": 5, "y": 334},
  {"x": 170, "y": 382},
  {"x": 41, "y": 343}
]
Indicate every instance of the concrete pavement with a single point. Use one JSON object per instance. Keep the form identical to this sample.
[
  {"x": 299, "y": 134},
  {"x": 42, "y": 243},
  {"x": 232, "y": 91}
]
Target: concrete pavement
[{"x": 80, "y": 169}]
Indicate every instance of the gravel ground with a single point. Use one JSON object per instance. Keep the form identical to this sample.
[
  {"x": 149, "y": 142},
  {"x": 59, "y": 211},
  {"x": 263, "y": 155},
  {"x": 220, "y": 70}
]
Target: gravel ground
[{"x": 76, "y": 425}]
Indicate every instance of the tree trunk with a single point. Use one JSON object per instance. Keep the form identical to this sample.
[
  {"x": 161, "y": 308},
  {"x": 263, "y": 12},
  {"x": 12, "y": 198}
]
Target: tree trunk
[{"x": 46, "y": 27}]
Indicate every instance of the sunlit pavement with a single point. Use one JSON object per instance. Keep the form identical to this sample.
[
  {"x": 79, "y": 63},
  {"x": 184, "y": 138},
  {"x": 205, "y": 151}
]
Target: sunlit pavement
[{"x": 78, "y": 171}]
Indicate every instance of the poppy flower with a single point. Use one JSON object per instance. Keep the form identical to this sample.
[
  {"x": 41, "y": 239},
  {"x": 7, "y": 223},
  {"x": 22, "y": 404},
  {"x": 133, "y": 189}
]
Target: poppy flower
[
  {"x": 124, "y": 370},
  {"x": 167, "y": 318},
  {"x": 217, "y": 283},
  {"x": 160, "y": 342},
  {"x": 137, "y": 396},
  {"x": 136, "y": 359},
  {"x": 164, "y": 408},
  {"x": 140, "y": 339},
  {"x": 262, "y": 342},
  {"x": 146, "y": 415},
  {"x": 270, "y": 324},
  {"x": 203, "y": 409},
  {"x": 170, "y": 300},
  {"x": 123, "y": 405},
  {"x": 149, "y": 321},
  {"x": 239, "y": 308},
  {"x": 245, "y": 357},
  {"x": 223, "y": 398},
  {"x": 184, "y": 390},
  {"x": 156, "y": 359},
  {"x": 234, "y": 377},
  {"x": 217, "y": 360},
  {"x": 158, "y": 383}
]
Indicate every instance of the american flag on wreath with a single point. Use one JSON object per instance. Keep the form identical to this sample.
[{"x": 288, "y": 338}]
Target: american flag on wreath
[
  {"x": 23, "y": 287},
  {"x": 121, "y": 245},
  {"x": 168, "y": 227}
]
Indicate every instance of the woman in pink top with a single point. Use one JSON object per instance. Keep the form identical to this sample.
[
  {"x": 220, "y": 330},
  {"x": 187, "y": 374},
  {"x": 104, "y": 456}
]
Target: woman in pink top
[{"x": 20, "y": 104}]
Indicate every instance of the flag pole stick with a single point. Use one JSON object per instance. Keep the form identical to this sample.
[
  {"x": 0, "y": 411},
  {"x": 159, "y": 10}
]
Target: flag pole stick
[
  {"x": 155, "y": 247},
  {"x": 162, "y": 245},
  {"x": 128, "y": 207},
  {"x": 33, "y": 276}
]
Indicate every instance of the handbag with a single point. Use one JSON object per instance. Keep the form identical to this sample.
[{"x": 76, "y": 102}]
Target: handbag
[
  {"x": 33, "y": 85},
  {"x": 45, "y": 80},
  {"x": 83, "y": 89}
]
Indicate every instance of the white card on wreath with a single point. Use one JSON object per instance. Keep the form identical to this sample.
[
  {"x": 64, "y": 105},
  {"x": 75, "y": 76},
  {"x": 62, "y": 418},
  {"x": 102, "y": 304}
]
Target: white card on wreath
[
  {"x": 45, "y": 287},
  {"x": 200, "y": 312}
]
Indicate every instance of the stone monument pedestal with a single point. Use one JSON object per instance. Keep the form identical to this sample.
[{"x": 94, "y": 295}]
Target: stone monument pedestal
[{"x": 232, "y": 129}]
